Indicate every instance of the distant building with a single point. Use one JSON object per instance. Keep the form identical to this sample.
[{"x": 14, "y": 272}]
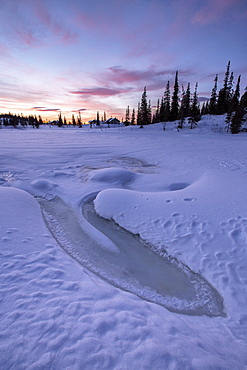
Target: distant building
[
  {"x": 112, "y": 121},
  {"x": 93, "y": 122},
  {"x": 109, "y": 121}
]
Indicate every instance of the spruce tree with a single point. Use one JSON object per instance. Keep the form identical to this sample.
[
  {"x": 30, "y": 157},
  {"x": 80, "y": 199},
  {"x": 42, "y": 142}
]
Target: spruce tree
[
  {"x": 167, "y": 102},
  {"x": 224, "y": 93},
  {"x": 149, "y": 112},
  {"x": 162, "y": 110},
  {"x": 184, "y": 110},
  {"x": 213, "y": 100},
  {"x": 236, "y": 95},
  {"x": 138, "y": 120},
  {"x": 156, "y": 117},
  {"x": 97, "y": 119},
  {"x": 228, "y": 120},
  {"x": 15, "y": 121},
  {"x": 133, "y": 118},
  {"x": 40, "y": 121},
  {"x": 127, "y": 115},
  {"x": 181, "y": 115},
  {"x": 145, "y": 118},
  {"x": 233, "y": 104},
  {"x": 60, "y": 121},
  {"x": 187, "y": 101},
  {"x": 165, "y": 107},
  {"x": 194, "y": 117},
  {"x": 230, "y": 91},
  {"x": 175, "y": 100},
  {"x": 79, "y": 123},
  {"x": 240, "y": 115},
  {"x": 73, "y": 120},
  {"x": 31, "y": 121}
]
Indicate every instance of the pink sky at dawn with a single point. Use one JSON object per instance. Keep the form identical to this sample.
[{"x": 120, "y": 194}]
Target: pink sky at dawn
[{"x": 72, "y": 55}]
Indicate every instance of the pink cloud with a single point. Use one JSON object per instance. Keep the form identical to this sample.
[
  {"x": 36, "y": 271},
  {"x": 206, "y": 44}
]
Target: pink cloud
[
  {"x": 43, "y": 109},
  {"x": 213, "y": 10},
  {"x": 90, "y": 17},
  {"x": 79, "y": 110},
  {"x": 120, "y": 75},
  {"x": 117, "y": 75},
  {"x": 59, "y": 30},
  {"x": 27, "y": 37},
  {"x": 153, "y": 78},
  {"x": 86, "y": 21},
  {"x": 98, "y": 91}
]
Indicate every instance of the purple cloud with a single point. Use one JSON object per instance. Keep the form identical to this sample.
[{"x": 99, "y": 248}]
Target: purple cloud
[
  {"x": 44, "y": 109},
  {"x": 98, "y": 91},
  {"x": 27, "y": 37},
  {"x": 85, "y": 20},
  {"x": 152, "y": 78},
  {"x": 212, "y": 11},
  {"x": 59, "y": 30},
  {"x": 78, "y": 110},
  {"x": 120, "y": 75}
]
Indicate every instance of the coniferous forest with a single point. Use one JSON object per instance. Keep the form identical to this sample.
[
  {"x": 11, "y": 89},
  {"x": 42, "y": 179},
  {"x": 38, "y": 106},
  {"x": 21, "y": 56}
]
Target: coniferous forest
[
  {"x": 185, "y": 104},
  {"x": 179, "y": 104}
]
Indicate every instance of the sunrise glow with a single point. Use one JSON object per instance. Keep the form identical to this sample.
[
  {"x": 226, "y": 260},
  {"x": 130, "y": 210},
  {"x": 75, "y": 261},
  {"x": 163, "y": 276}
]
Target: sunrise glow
[{"x": 89, "y": 56}]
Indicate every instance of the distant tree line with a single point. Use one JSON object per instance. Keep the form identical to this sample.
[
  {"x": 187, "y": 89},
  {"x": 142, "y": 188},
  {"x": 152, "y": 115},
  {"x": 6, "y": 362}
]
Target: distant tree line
[
  {"x": 184, "y": 104},
  {"x": 75, "y": 121},
  {"x": 20, "y": 120}
]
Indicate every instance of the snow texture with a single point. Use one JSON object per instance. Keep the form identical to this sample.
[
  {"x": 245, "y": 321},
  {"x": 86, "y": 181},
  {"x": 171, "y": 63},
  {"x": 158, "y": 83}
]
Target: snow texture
[{"x": 183, "y": 192}]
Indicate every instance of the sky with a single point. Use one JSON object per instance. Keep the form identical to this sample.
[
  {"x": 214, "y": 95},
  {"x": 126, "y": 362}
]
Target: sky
[{"x": 66, "y": 56}]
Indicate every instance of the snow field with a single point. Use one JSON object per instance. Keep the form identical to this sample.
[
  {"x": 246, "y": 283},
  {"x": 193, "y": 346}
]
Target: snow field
[{"x": 184, "y": 192}]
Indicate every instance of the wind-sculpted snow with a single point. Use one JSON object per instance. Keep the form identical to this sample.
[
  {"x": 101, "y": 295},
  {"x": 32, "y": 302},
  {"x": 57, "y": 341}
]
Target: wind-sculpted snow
[
  {"x": 133, "y": 266},
  {"x": 113, "y": 175},
  {"x": 186, "y": 196}
]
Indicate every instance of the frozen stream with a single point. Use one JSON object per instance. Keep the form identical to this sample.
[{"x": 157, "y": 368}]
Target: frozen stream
[{"x": 131, "y": 265}]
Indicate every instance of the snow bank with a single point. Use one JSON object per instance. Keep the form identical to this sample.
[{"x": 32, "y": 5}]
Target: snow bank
[
  {"x": 21, "y": 221},
  {"x": 195, "y": 224},
  {"x": 116, "y": 176}
]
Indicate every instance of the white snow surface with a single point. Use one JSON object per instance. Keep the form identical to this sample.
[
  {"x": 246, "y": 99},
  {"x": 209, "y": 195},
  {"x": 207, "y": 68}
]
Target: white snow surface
[{"x": 183, "y": 192}]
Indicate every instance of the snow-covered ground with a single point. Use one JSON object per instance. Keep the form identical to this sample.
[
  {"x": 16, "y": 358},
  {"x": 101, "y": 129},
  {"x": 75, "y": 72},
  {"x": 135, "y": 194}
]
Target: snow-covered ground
[{"x": 182, "y": 192}]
